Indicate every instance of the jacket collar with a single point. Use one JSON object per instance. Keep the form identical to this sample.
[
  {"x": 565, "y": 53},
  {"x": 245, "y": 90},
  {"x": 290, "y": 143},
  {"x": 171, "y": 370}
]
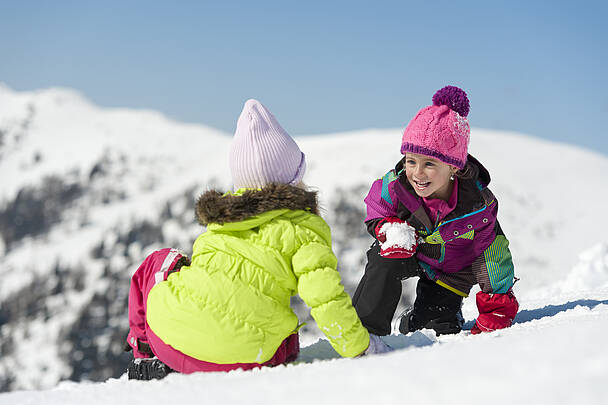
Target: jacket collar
[{"x": 215, "y": 207}]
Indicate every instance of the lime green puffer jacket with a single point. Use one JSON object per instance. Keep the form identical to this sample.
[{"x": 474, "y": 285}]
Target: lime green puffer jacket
[{"x": 232, "y": 305}]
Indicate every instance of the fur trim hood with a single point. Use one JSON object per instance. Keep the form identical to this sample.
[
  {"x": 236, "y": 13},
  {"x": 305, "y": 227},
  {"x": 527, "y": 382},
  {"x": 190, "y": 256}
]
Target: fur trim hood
[{"x": 215, "y": 207}]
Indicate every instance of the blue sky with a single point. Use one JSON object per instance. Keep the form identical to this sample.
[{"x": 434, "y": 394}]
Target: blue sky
[{"x": 537, "y": 67}]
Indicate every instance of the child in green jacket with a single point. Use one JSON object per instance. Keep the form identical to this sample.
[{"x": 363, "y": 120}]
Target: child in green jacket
[{"x": 265, "y": 242}]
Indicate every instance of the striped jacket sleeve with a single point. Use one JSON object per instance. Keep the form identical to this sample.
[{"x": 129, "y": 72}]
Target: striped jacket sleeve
[{"x": 494, "y": 268}]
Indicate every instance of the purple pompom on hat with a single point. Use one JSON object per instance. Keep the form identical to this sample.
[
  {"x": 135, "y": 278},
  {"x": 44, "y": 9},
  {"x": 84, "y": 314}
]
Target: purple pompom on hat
[
  {"x": 441, "y": 130},
  {"x": 262, "y": 152},
  {"x": 453, "y": 97}
]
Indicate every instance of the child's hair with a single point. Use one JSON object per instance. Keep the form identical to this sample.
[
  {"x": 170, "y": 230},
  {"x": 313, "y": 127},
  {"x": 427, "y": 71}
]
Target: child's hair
[{"x": 470, "y": 171}]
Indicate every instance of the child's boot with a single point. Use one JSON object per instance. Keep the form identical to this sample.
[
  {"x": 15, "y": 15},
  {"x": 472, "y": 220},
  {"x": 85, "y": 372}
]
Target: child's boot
[
  {"x": 435, "y": 308},
  {"x": 147, "y": 369}
]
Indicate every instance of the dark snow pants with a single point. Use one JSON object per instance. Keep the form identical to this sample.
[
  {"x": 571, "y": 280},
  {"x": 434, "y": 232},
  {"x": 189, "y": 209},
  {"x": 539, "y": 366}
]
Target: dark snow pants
[{"x": 379, "y": 291}]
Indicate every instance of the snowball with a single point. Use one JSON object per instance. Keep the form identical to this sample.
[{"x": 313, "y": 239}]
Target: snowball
[{"x": 400, "y": 235}]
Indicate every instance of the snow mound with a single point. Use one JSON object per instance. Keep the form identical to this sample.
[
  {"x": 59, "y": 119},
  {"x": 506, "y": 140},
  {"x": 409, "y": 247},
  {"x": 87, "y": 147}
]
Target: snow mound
[{"x": 590, "y": 273}]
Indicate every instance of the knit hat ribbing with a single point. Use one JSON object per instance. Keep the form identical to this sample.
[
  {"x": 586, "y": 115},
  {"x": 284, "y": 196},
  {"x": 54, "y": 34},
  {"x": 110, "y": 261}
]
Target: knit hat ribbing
[
  {"x": 441, "y": 130},
  {"x": 262, "y": 152}
]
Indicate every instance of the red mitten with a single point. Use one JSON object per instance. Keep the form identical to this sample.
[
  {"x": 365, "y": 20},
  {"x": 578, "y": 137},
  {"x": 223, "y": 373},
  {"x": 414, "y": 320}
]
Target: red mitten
[
  {"x": 398, "y": 240},
  {"x": 496, "y": 311}
]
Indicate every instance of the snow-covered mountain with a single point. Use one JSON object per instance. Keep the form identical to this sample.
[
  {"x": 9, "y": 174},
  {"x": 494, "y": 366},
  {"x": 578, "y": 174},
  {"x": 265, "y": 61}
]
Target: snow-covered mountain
[{"x": 87, "y": 192}]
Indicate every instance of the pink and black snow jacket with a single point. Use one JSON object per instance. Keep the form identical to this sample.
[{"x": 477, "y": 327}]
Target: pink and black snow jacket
[{"x": 465, "y": 248}]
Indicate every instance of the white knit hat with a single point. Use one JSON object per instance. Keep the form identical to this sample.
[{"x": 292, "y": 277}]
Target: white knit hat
[{"x": 262, "y": 152}]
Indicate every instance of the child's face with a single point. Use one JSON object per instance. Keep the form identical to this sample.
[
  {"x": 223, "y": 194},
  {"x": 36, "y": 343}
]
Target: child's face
[{"x": 429, "y": 177}]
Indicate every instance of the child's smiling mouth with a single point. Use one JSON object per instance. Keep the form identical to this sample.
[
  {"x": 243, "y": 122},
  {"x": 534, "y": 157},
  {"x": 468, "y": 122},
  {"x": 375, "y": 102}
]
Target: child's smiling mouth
[{"x": 421, "y": 185}]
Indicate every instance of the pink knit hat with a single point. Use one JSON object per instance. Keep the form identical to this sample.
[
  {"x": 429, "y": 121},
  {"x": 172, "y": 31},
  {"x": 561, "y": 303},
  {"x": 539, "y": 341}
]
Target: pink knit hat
[
  {"x": 441, "y": 130},
  {"x": 262, "y": 152}
]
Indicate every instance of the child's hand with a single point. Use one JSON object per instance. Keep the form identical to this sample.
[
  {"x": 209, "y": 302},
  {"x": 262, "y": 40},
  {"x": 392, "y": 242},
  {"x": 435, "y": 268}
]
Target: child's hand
[
  {"x": 496, "y": 311},
  {"x": 398, "y": 240},
  {"x": 376, "y": 346}
]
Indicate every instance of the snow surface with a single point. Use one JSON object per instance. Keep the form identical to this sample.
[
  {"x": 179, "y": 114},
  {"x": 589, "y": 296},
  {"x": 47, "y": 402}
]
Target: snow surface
[
  {"x": 554, "y": 354},
  {"x": 551, "y": 197}
]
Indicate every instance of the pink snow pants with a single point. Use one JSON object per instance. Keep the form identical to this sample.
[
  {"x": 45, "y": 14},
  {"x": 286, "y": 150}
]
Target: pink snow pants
[{"x": 153, "y": 270}]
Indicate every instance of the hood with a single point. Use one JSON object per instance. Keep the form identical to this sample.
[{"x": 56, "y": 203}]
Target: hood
[
  {"x": 215, "y": 207},
  {"x": 479, "y": 171}
]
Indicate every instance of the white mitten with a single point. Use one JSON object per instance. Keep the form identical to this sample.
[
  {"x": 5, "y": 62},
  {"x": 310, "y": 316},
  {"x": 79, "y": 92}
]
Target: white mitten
[{"x": 377, "y": 346}]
